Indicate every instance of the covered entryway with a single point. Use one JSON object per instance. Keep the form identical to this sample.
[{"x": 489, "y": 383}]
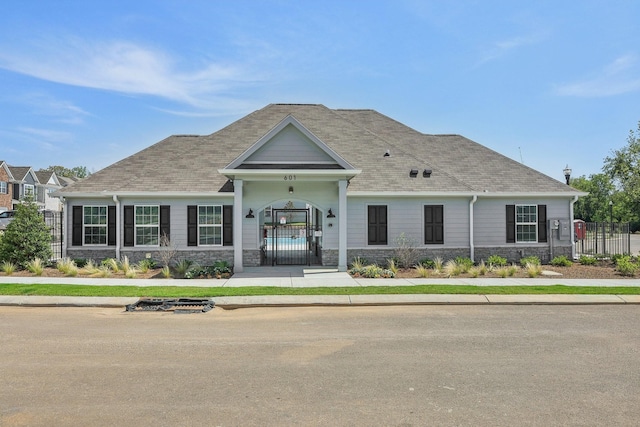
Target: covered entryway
[{"x": 291, "y": 237}]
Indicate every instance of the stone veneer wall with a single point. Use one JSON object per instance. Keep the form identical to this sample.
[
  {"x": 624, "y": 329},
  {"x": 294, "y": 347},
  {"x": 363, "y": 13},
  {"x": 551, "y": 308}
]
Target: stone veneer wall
[
  {"x": 515, "y": 253},
  {"x": 200, "y": 257}
]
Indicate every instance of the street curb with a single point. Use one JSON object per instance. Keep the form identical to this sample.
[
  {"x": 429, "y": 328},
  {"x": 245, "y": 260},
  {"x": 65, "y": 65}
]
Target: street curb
[{"x": 231, "y": 303}]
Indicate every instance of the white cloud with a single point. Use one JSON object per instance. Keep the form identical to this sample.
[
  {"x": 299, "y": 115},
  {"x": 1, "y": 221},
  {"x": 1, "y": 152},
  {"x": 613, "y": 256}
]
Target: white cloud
[
  {"x": 122, "y": 67},
  {"x": 619, "y": 77},
  {"x": 58, "y": 110},
  {"x": 504, "y": 47}
]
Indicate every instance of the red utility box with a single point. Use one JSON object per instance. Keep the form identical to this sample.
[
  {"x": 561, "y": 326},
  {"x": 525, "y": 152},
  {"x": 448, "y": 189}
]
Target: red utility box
[{"x": 579, "y": 229}]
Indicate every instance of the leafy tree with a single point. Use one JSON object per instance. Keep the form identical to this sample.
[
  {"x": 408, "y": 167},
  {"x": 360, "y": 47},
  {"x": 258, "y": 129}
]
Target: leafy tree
[
  {"x": 27, "y": 237},
  {"x": 623, "y": 166},
  {"x": 77, "y": 171},
  {"x": 595, "y": 206}
]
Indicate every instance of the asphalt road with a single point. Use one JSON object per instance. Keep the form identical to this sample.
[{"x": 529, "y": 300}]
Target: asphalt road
[{"x": 391, "y": 366}]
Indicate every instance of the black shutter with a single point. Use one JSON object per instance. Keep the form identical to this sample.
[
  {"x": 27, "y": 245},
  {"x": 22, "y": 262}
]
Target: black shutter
[
  {"x": 165, "y": 222},
  {"x": 129, "y": 234},
  {"x": 377, "y": 225},
  {"x": 511, "y": 223},
  {"x": 227, "y": 225},
  {"x": 76, "y": 221},
  {"x": 542, "y": 223},
  {"x": 111, "y": 226},
  {"x": 434, "y": 224},
  {"x": 192, "y": 225}
]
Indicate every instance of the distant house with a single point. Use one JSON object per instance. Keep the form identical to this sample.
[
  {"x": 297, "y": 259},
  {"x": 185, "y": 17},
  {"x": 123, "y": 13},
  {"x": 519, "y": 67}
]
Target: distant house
[
  {"x": 18, "y": 182},
  {"x": 305, "y": 184}
]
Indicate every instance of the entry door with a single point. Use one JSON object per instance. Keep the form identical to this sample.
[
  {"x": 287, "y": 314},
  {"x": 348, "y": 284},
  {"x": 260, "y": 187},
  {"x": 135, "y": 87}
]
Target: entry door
[{"x": 290, "y": 239}]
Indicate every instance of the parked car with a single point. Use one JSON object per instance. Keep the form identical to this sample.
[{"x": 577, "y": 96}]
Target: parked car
[{"x": 5, "y": 218}]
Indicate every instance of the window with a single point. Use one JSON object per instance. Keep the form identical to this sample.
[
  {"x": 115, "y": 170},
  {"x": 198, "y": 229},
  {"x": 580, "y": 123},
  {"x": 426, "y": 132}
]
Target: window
[
  {"x": 95, "y": 225},
  {"x": 433, "y": 225},
  {"x": 4, "y": 189},
  {"x": 29, "y": 190},
  {"x": 377, "y": 225},
  {"x": 210, "y": 225},
  {"x": 147, "y": 225},
  {"x": 526, "y": 223}
]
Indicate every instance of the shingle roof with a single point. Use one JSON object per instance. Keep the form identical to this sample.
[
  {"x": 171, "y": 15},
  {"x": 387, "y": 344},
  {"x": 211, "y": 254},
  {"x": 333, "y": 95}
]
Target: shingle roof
[
  {"x": 189, "y": 163},
  {"x": 19, "y": 172}
]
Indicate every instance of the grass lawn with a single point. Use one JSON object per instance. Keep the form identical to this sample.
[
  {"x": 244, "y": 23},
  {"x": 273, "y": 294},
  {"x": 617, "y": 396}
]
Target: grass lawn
[{"x": 193, "y": 292}]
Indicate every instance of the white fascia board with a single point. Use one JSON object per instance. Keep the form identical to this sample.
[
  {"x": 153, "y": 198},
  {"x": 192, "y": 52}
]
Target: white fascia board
[
  {"x": 146, "y": 194},
  {"x": 280, "y": 174},
  {"x": 395, "y": 194}
]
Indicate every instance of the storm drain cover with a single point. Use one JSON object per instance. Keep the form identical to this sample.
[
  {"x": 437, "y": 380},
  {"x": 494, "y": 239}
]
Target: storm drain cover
[{"x": 177, "y": 305}]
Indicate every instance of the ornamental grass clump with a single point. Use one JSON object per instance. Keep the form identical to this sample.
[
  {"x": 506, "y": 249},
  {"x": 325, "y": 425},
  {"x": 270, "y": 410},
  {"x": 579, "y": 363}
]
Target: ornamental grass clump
[
  {"x": 8, "y": 268},
  {"x": 112, "y": 264},
  {"x": 392, "y": 265},
  {"x": 35, "y": 266},
  {"x": 533, "y": 269},
  {"x": 67, "y": 266},
  {"x": 421, "y": 270},
  {"x": 90, "y": 268},
  {"x": 438, "y": 264},
  {"x": 451, "y": 268}
]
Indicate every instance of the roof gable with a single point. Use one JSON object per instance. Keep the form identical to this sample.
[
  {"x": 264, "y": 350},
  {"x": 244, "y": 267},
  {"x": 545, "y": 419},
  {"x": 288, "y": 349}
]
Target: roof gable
[{"x": 289, "y": 145}]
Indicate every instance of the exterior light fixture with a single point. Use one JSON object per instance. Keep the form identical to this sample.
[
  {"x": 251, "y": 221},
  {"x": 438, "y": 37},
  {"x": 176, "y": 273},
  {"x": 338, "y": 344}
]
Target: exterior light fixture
[
  {"x": 250, "y": 214},
  {"x": 426, "y": 173},
  {"x": 330, "y": 214},
  {"x": 413, "y": 173},
  {"x": 567, "y": 173},
  {"x": 290, "y": 190},
  {"x": 386, "y": 153}
]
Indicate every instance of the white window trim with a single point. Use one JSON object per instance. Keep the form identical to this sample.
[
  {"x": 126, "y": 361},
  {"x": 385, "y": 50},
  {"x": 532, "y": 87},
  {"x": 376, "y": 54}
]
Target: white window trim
[
  {"x": 29, "y": 190},
  {"x": 535, "y": 224},
  {"x": 136, "y": 226},
  {"x": 4, "y": 187},
  {"x": 106, "y": 226},
  {"x": 211, "y": 225}
]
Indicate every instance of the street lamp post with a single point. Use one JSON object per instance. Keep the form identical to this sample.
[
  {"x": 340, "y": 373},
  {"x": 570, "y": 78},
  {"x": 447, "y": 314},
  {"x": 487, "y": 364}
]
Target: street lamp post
[
  {"x": 567, "y": 173},
  {"x": 611, "y": 217}
]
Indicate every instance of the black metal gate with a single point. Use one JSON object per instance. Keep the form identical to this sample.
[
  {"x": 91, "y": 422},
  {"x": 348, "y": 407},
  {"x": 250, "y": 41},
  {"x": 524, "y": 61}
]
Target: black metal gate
[
  {"x": 53, "y": 219},
  {"x": 288, "y": 242},
  {"x": 604, "y": 238}
]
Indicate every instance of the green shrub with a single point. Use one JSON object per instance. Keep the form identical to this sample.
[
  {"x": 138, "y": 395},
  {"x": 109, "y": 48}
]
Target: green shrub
[
  {"x": 27, "y": 237},
  {"x": 80, "y": 262},
  {"x": 427, "y": 263},
  {"x": 464, "y": 263},
  {"x": 531, "y": 259},
  {"x": 496, "y": 261},
  {"x": 147, "y": 263},
  {"x": 587, "y": 260},
  {"x": 561, "y": 261},
  {"x": 626, "y": 266},
  {"x": 371, "y": 271}
]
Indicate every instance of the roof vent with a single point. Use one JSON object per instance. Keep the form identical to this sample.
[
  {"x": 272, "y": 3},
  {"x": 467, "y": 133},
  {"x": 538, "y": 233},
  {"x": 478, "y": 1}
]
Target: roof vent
[
  {"x": 387, "y": 153},
  {"x": 427, "y": 173},
  {"x": 413, "y": 173}
]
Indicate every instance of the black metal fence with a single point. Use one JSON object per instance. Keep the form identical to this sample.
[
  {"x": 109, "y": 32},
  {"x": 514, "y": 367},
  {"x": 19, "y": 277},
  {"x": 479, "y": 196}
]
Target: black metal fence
[
  {"x": 603, "y": 238},
  {"x": 53, "y": 219}
]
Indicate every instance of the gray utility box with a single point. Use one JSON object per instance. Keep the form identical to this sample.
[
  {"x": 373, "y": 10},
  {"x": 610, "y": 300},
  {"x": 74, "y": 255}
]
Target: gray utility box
[{"x": 560, "y": 228}]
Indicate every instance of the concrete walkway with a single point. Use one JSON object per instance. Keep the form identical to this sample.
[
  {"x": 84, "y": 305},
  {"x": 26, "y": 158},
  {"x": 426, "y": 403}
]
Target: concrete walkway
[{"x": 297, "y": 277}]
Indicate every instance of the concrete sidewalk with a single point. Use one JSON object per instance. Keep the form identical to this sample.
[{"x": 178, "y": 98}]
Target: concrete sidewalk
[{"x": 297, "y": 277}]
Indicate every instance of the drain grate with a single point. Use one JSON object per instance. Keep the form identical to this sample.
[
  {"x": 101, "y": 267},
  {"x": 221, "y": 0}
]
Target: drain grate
[{"x": 179, "y": 305}]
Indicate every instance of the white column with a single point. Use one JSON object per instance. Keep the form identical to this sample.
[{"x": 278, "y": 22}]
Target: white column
[
  {"x": 342, "y": 225},
  {"x": 237, "y": 226}
]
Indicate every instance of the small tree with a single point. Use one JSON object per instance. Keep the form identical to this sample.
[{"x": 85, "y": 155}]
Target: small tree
[
  {"x": 27, "y": 237},
  {"x": 405, "y": 251},
  {"x": 167, "y": 250}
]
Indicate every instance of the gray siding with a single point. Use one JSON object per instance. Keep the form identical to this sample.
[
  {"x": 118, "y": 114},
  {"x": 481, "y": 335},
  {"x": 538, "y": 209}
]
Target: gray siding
[{"x": 290, "y": 146}]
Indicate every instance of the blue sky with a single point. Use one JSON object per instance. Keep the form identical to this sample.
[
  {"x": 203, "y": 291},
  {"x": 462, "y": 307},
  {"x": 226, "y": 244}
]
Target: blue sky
[{"x": 548, "y": 83}]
